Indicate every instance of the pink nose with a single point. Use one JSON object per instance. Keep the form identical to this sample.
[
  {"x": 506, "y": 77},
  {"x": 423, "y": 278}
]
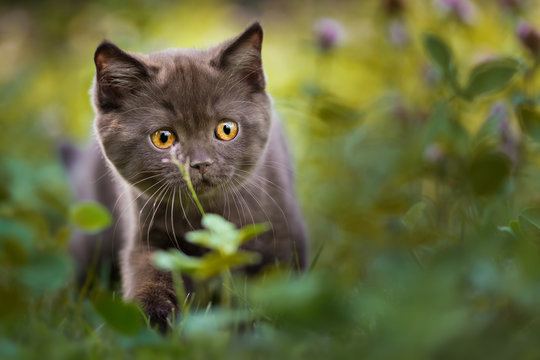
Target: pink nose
[{"x": 201, "y": 165}]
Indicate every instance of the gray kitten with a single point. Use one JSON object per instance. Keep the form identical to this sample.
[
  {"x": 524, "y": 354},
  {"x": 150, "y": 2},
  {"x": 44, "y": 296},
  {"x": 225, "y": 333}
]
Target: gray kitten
[{"x": 211, "y": 107}]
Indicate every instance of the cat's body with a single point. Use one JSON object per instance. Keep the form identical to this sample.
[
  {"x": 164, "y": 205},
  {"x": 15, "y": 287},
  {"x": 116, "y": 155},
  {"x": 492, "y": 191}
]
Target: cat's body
[{"x": 210, "y": 108}]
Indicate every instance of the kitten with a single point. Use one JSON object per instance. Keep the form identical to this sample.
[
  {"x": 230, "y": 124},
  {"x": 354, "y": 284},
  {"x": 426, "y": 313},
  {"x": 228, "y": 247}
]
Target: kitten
[{"x": 211, "y": 107}]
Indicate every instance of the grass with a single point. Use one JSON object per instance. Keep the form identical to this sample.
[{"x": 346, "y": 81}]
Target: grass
[{"x": 417, "y": 171}]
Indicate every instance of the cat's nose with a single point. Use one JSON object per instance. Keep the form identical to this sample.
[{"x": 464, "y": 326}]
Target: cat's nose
[{"x": 201, "y": 164}]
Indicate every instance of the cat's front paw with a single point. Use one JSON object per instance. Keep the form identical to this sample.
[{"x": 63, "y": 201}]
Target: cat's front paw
[{"x": 159, "y": 303}]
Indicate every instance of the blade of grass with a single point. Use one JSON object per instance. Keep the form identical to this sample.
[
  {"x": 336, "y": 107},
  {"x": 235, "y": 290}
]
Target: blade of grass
[
  {"x": 316, "y": 258},
  {"x": 297, "y": 260}
]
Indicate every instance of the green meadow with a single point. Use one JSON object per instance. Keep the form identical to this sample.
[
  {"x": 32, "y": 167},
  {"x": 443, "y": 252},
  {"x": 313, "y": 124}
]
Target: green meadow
[{"x": 415, "y": 132}]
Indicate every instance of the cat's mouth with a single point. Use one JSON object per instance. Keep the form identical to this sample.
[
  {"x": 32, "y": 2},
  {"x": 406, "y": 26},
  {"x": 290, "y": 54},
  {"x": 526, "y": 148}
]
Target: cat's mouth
[{"x": 204, "y": 185}]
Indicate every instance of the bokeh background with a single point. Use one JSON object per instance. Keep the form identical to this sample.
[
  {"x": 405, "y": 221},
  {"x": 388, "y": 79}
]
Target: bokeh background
[{"x": 415, "y": 131}]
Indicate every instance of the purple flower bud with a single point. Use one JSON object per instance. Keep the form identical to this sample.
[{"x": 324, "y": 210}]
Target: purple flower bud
[
  {"x": 529, "y": 37},
  {"x": 329, "y": 33},
  {"x": 430, "y": 75},
  {"x": 510, "y": 142},
  {"x": 463, "y": 10},
  {"x": 397, "y": 33},
  {"x": 434, "y": 153}
]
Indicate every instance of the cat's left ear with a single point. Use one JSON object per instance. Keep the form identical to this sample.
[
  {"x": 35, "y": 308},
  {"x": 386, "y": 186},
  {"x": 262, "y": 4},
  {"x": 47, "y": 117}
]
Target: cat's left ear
[{"x": 242, "y": 55}]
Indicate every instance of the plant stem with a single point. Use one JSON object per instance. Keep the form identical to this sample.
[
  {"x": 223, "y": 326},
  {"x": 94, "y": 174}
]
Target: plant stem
[
  {"x": 226, "y": 288},
  {"x": 184, "y": 170}
]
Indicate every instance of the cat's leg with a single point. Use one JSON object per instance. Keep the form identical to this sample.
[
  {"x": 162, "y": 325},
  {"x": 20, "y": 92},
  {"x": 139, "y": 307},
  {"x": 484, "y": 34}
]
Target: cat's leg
[{"x": 153, "y": 289}]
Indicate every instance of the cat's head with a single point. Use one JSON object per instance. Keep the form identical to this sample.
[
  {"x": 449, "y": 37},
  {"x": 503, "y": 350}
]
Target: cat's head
[{"x": 209, "y": 106}]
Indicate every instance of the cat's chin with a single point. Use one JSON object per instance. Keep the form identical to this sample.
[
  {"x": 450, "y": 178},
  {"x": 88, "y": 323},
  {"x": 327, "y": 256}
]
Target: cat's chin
[{"x": 205, "y": 187}]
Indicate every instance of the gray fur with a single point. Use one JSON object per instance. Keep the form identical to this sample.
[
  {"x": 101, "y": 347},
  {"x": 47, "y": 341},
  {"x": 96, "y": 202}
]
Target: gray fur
[{"x": 250, "y": 179}]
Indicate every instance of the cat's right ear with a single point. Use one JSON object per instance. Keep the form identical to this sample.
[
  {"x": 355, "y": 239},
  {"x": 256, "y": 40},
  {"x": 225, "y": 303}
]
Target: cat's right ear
[
  {"x": 241, "y": 56},
  {"x": 118, "y": 74}
]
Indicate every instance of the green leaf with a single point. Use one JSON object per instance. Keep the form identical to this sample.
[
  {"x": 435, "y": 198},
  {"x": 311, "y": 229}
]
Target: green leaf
[
  {"x": 225, "y": 242},
  {"x": 415, "y": 214},
  {"x": 488, "y": 171},
  {"x": 15, "y": 231},
  {"x": 335, "y": 115},
  {"x": 121, "y": 316},
  {"x": 214, "y": 323},
  {"x": 491, "y": 128},
  {"x": 223, "y": 239},
  {"x": 529, "y": 221},
  {"x": 90, "y": 217},
  {"x": 222, "y": 235},
  {"x": 15, "y": 242},
  {"x": 251, "y": 231},
  {"x": 441, "y": 54},
  {"x": 214, "y": 264},
  {"x": 516, "y": 228},
  {"x": 217, "y": 223},
  {"x": 210, "y": 265},
  {"x": 530, "y": 118},
  {"x": 176, "y": 260},
  {"x": 316, "y": 257},
  {"x": 439, "y": 51},
  {"x": 491, "y": 76},
  {"x": 46, "y": 272},
  {"x": 513, "y": 229},
  {"x": 443, "y": 128},
  {"x": 200, "y": 237},
  {"x": 295, "y": 301},
  {"x": 532, "y": 215}
]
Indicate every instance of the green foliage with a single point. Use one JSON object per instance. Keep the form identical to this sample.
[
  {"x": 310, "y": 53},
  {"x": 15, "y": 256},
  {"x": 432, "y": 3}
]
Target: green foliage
[
  {"x": 207, "y": 266},
  {"x": 417, "y": 152},
  {"x": 439, "y": 52},
  {"x": 90, "y": 216},
  {"x": 488, "y": 171},
  {"x": 221, "y": 237},
  {"x": 312, "y": 294},
  {"x": 529, "y": 224},
  {"x": 45, "y": 272},
  {"x": 123, "y": 317},
  {"x": 485, "y": 78},
  {"x": 530, "y": 118},
  {"x": 490, "y": 76}
]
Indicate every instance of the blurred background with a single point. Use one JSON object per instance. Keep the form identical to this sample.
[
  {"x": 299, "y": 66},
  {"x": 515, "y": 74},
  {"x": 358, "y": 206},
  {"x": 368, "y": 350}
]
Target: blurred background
[{"x": 415, "y": 130}]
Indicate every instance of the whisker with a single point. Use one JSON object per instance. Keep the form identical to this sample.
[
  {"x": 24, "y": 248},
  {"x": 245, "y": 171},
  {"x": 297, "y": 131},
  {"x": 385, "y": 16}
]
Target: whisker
[
  {"x": 275, "y": 203},
  {"x": 183, "y": 210},
  {"x": 242, "y": 203},
  {"x": 267, "y": 164},
  {"x": 172, "y": 219},
  {"x": 154, "y": 215},
  {"x": 128, "y": 188},
  {"x": 234, "y": 198},
  {"x": 262, "y": 209},
  {"x": 258, "y": 177},
  {"x": 161, "y": 190},
  {"x": 129, "y": 206}
]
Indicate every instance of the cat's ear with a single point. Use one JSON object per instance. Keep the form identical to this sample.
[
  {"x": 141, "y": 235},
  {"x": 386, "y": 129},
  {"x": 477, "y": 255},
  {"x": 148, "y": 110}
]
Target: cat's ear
[
  {"x": 242, "y": 55},
  {"x": 118, "y": 74}
]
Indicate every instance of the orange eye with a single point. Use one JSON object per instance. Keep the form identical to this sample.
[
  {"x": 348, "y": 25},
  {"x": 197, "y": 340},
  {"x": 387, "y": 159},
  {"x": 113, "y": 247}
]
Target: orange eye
[
  {"x": 226, "y": 130},
  {"x": 163, "y": 139}
]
